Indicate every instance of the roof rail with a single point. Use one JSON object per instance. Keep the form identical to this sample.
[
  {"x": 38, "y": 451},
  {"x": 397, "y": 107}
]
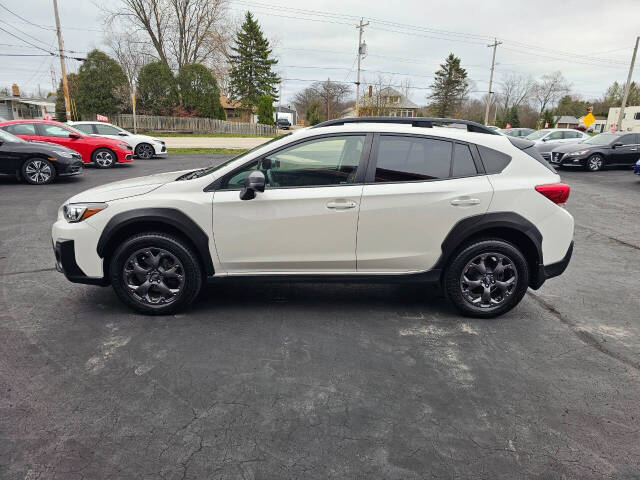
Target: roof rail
[{"x": 423, "y": 122}]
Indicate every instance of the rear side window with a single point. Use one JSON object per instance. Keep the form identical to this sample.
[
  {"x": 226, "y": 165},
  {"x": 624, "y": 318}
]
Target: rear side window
[
  {"x": 407, "y": 159},
  {"x": 22, "y": 129},
  {"x": 493, "y": 160},
  {"x": 572, "y": 135},
  {"x": 84, "y": 127},
  {"x": 463, "y": 165}
]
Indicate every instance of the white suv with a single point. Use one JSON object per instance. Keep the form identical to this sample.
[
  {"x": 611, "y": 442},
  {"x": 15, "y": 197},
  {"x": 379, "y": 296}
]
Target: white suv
[{"x": 361, "y": 199}]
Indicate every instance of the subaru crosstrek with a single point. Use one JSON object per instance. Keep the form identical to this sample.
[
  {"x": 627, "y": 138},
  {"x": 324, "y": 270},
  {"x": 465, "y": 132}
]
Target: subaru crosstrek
[{"x": 364, "y": 199}]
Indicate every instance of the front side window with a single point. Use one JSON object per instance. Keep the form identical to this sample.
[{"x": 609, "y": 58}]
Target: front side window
[
  {"x": 572, "y": 135},
  {"x": 49, "y": 130},
  {"x": 106, "y": 130},
  {"x": 627, "y": 139},
  {"x": 22, "y": 129},
  {"x": 555, "y": 136},
  {"x": 85, "y": 127},
  {"x": 407, "y": 159},
  {"x": 318, "y": 162}
]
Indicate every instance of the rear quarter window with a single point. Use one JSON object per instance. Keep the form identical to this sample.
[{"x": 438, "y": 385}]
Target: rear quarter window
[{"x": 493, "y": 160}]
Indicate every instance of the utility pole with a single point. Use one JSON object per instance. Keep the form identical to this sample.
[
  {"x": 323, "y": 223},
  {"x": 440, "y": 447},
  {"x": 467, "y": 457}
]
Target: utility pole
[
  {"x": 493, "y": 64},
  {"x": 361, "y": 51},
  {"x": 63, "y": 68},
  {"x": 627, "y": 86}
]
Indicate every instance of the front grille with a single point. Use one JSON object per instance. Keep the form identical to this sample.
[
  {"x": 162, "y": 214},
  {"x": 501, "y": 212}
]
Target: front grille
[
  {"x": 77, "y": 156},
  {"x": 557, "y": 157},
  {"x": 164, "y": 149},
  {"x": 74, "y": 168}
]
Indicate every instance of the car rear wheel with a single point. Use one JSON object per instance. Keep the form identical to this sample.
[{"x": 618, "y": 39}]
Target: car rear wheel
[
  {"x": 595, "y": 163},
  {"x": 155, "y": 273},
  {"x": 487, "y": 278},
  {"x": 38, "y": 171},
  {"x": 104, "y": 158},
  {"x": 144, "y": 151}
]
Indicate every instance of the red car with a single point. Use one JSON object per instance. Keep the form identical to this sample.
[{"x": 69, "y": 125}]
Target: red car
[{"x": 102, "y": 152}]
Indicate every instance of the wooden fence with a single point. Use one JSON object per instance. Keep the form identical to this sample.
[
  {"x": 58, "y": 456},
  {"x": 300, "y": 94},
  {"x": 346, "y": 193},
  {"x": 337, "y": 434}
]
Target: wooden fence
[{"x": 150, "y": 123}]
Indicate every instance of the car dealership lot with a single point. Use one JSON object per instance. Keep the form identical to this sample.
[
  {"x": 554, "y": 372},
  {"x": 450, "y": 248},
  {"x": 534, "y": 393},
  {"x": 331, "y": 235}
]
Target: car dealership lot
[{"x": 320, "y": 380}]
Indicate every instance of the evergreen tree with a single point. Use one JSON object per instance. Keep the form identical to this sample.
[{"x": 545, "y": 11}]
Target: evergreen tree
[
  {"x": 547, "y": 117},
  {"x": 61, "y": 112},
  {"x": 251, "y": 76},
  {"x": 101, "y": 83},
  {"x": 449, "y": 88},
  {"x": 313, "y": 114},
  {"x": 514, "y": 119},
  {"x": 265, "y": 110},
  {"x": 199, "y": 91},
  {"x": 156, "y": 92}
]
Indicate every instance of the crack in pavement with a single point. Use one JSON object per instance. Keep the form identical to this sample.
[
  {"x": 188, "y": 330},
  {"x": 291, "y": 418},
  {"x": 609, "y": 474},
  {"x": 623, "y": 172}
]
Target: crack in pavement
[
  {"x": 582, "y": 334},
  {"x": 39, "y": 270},
  {"x": 614, "y": 239}
]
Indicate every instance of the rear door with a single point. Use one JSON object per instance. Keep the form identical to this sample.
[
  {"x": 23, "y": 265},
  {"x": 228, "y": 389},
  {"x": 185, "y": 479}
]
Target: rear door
[
  {"x": 306, "y": 219},
  {"x": 416, "y": 190},
  {"x": 26, "y": 130}
]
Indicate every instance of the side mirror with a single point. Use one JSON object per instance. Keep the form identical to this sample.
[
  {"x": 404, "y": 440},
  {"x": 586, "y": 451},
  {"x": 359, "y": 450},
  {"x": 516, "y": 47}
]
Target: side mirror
[
  {"x": 617, "y": 144},
  {"x": 545, "y": 139},
  {"x": 123, "y": 134},
  {"x": 254, "y": 183},
  {"x": 75, "y": 136}
]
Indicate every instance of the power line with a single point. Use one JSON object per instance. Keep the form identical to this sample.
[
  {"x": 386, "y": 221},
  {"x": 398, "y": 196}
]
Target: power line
[
  {"x": 23, "y": 40},
  {"x": 22, "y": 18}
]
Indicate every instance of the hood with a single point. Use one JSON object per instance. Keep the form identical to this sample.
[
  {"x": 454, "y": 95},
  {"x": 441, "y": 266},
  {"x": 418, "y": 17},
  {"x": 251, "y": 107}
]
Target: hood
[
  {"x": 574, "y": 147},
  {"x": 126, "y": 188},
  {"x": 42, "y": 147}
]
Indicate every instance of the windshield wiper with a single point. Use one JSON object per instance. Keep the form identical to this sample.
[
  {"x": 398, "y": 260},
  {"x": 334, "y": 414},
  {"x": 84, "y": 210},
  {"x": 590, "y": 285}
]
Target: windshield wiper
[{"x": 191, "y": 175}]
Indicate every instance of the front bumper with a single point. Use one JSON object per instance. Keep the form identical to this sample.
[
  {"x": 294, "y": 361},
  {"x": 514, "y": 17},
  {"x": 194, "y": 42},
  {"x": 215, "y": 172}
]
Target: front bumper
[
  {"x": 124, "y": 156},
  {"x": 64, "y": 251},
  {"x": 66, "y": 170},
  {"x": 160, "y": 148},
  {"x": 636, "y": 169},
  {"x": 559, "y": 159}
]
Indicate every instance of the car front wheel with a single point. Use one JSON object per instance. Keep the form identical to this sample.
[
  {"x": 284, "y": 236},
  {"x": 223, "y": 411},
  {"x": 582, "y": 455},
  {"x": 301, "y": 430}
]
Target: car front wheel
[
  {"x": 155, "y": 273},
  {"x": 487, "y": 278},
  {"x": 595, "y": 163},
  {"x": 104, "y": 158},
  {"x": 144, "y": 151},
  {"x": 38, "y": 171}
]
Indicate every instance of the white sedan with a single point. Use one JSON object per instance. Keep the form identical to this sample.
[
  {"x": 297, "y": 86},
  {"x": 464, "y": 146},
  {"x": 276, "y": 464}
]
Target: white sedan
[{"x": 143, "y": 145}]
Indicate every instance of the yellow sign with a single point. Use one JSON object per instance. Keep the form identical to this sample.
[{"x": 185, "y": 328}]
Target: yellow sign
[{"x": 588, "y": 119}]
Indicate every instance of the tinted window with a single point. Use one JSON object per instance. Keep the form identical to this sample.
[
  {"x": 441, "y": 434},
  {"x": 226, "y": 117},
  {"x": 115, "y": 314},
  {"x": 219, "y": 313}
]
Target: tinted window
[
  {"x": 405, "y": 159},
  {"x": 49, "y": 130},
  {"x": 493, "y": 161},
  {"x": 627, "y": 139},
  {"x": 106, "y": 130},
  {"x": 324, "y": 161},
  {"x": 463, "y": 165},
  {"x": 85, "y": 127},
  {"x": 22, "y": 129}
]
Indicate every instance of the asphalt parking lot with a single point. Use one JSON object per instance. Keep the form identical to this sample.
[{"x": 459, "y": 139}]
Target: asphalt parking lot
[{"x": 301, "y": 381}]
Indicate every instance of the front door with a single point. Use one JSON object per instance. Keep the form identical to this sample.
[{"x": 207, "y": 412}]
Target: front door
[
  {"x": 421, "y": 188},
  {"x": 306, "y": 219},
  {"x": 627, "y": 154},
  {"x": 56, "y": 134}
]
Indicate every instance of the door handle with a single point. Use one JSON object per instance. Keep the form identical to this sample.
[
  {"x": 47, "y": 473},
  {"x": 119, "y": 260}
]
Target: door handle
[
  {"x": 341, "y": 205},
  {"x": 461, "y": 202}
]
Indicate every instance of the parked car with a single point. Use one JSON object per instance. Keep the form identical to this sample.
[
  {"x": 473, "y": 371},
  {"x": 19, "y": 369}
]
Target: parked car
[
  {"x": 37, "y": 163},
  {"x": 636, "y": 170},
  {"x": 103, "y": 152},
  {"x": 550, "y": 138},
  {"x": 517, "y": 132},
  {"x": 376, "y": 198},
  {"x": 283, "y": 123},
  {"x": 493, "y": 127},
  {"x": 600, "y": 151},
  {"x": 143, "y": 145}
]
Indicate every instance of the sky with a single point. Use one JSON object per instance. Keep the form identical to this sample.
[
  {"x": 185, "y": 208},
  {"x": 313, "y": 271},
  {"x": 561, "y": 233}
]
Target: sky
[{"x": 590, "y": 42}]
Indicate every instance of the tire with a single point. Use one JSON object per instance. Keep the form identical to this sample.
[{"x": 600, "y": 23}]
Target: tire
[
  {"x": 139, "y": 270},
  {"x": 38, "y": 171},
  {"x": 104, "y": 158},
  {"x": 144, "y": 151},
  {"x": 466, "y": 285},
  {"x": 594, "y": 163}
]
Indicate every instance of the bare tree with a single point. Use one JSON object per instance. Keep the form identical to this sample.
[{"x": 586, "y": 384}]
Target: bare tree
[
  {"x": 331, "y": 95},
  {"x": 179, "y": 31},
  {"x": 515, "y": 89},
  {"x": 550, "y": 89},
  {"x": 131, "y": 52}
]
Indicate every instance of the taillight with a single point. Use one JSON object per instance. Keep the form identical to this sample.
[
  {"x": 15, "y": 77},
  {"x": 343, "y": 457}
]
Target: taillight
[{"x": 556, "y": 192}]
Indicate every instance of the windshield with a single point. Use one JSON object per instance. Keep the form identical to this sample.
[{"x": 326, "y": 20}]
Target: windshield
[
  {"x": 602, "y": 139},
  {"x": 7, "y": 137},
  {"x": 537, "y": 135},
  {"x": 213, "y": 168}
]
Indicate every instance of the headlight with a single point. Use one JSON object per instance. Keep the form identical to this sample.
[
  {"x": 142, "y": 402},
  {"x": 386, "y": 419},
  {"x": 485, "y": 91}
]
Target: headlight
[
  {"x": 77, "y": 212},
  {"x": 581, "y": 152},
  {"x": 62, "y": 153},
  {"x": 125, "y": 146}
]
